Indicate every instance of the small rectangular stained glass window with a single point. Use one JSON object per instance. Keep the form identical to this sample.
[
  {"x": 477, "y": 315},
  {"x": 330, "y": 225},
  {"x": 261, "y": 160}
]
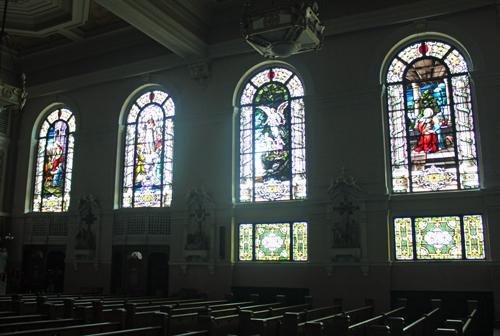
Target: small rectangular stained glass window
[
  {"x": 445, "y": 237},
  {"x": 474, "y": 237},
  {"x": 273, "y": 242},
  {"x": 246, "y": 241},
  {"x": 403, "y": 238}
]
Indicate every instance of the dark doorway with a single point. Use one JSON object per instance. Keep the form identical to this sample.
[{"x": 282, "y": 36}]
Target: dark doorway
[
  {"x": 55, "y": 271},
  {"x": 158, "y": 274},
  {"x": 116, "y": 273}
]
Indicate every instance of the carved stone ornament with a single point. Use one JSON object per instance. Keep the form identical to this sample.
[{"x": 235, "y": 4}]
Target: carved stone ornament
[
  {"x": 197, "y": 202},
  {"x": 343, "y": 193},
  {"x": 85, "y": 245},
  {"x": 200, "y": 72}
]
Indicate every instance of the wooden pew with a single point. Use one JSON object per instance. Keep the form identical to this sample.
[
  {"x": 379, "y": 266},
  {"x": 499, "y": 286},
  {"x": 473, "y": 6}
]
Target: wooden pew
[
  {"x": 361, "y": 328},
  {"x": 339, "y": 322},
  {"x": 296, "y": 324},
  {"x": 44, "y": 324},
  {"x": 378, "y": 330},
  {"x": 22, "y": 318},
  {"x": 146, "y": 331},
  {"x": 291, "y": 323},
  {"x": 445, "y": 332},
  {"x": 8, "y": 313},
  {"x": 179, "y": 324},
  {"x": 466, "y": 326},
  {"x": 426, "y": 325},
  {"x": 219, "y": 326},
  {"x": 99, "y": 311},
  {"x": 174, "y": 324},
  {"x": 295, "y": 308},
  {"x": 340, "y": 325},
  {"x": 84, "y": 329}
]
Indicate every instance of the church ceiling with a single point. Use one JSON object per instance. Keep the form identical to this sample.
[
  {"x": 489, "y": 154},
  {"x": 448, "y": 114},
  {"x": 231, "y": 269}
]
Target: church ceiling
[
  {"x": 47, "y": 36},
  {"x": 185, "y": 27}
]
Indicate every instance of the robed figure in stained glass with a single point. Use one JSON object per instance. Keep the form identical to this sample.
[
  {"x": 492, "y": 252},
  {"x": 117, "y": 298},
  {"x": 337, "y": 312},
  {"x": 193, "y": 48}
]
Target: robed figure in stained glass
[
  {"x": 149, "y": 151},
  {"x": 54, "y": 162}
]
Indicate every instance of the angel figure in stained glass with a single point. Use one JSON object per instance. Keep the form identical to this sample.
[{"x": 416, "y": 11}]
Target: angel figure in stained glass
[{"x": 275, "y": 117}]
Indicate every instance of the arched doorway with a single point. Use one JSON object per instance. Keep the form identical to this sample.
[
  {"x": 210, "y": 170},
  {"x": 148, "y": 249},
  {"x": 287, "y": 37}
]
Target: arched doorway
[{"x": 158, "y": 274}]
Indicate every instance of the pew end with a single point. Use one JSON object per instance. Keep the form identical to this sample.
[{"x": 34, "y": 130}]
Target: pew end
[
  {"x": 229, "y": 297},
  {"x": 445, "y": 332},
  {"x": 281, "y": 299},
  {"x": 471, "y": 306},
  {"x": 402, "y": 302},
  {"x": 309, "y": 300},
  {"x": 379, "y": 330},
  {"x": 436, "y": 303}
]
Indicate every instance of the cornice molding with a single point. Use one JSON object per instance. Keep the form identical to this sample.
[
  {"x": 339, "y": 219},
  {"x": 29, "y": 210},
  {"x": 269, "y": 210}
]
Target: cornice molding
[{"x": 160, "y": 26}]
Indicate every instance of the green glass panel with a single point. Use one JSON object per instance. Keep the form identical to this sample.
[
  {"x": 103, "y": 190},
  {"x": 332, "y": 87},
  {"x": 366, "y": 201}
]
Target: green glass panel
[
  {"x": 246, "y": 240},
  {"x": 474, "y": 237},
  {"x": 300, "y": 241},
  {"x": 272, "y": 241},
  {"x": 403, "y": 238},
  {"x": 438, "y": 237}
]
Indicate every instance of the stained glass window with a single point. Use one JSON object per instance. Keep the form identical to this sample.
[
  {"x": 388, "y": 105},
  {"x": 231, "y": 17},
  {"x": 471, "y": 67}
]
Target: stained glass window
[
  {"x": 273, "y": 242},
  {"x": 54, "y": 162},
  {"x": 149, "y": 148},
  {"x": 272, "y": 138},
  {"x": 445, "y": 237},
  {"x": 431, "y": 124}
]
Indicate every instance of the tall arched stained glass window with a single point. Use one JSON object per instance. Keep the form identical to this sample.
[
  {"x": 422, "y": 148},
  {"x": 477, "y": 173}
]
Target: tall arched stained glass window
[
  {"x": 272, "y": 137},
  {"x": 54, "y": 162},
  {"x": 149, "y": 149},
  {"x": 431, "y": 124}
]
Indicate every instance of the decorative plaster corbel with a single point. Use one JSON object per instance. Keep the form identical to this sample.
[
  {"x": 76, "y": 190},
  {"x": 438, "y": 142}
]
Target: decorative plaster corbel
[
  {"x": 329, "y": 271},
  {"x": 211, "y": 269},
  {"x": 75, "y": 266},
  {"x": 365, "y": 269},
  {"x": 420, "y": 25},
  {"x": 96, "y": 267},
  {"x": 184, "y": 268},
  {"x": 200, "y": 72}
]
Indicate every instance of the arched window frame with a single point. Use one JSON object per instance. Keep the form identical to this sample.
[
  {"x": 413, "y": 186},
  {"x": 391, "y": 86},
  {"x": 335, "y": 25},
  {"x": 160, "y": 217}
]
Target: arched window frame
[
  {"x": 404, "y": 123},
  {"x": 161, "y": 194},
  {"x": 291, "y": 120},
  {"x": 49, "y": 182}
]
